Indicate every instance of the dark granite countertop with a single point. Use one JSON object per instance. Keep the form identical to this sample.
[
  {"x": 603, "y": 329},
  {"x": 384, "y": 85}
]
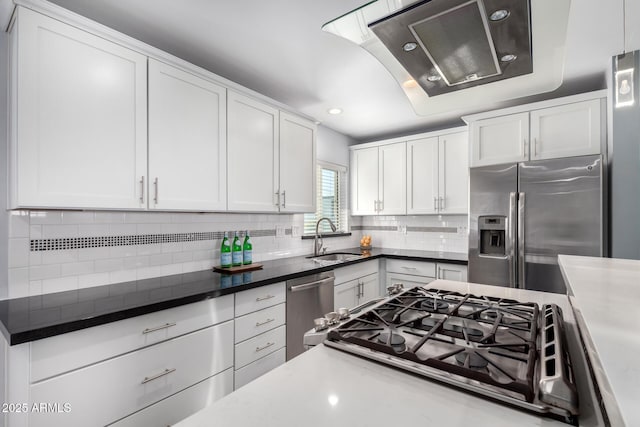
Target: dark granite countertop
[{"x": 28, "y": 319}]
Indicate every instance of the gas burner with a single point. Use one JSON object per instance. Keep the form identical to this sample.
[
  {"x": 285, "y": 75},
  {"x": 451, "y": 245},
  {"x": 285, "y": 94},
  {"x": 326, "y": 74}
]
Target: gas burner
[
  {"x": 434, "y": 305},
  {"x": 490, "y": 315},
  {"x": 475, "y": 361},
  {"x": 397, "y": 341}
]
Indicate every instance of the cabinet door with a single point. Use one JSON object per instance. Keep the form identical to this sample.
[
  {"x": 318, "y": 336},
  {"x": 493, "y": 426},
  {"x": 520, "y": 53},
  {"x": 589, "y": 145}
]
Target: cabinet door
[
  {"x": 297, "y": 164},
  {"x": 422, "y": 176},
  {"x": 81, "y": 119},
  {"x": 566, "y": 130},
  {"x": 346, "y": 294},
  {"x": 370, "y": 288},
  {"x": 453, "y": 173},
  {"x": 364, "y": 181},
  {"x": 187, "y": 141},
  {"x": 498, "y": 140},
  {"x": 452, "y": 272},
  {"x": 252, "y": 155},
  {"x": 392, "y": 178}
]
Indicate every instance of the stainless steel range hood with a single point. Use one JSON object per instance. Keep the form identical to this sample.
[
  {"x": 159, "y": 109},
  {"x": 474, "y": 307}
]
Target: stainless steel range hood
[{"x": 447, "y": 45}]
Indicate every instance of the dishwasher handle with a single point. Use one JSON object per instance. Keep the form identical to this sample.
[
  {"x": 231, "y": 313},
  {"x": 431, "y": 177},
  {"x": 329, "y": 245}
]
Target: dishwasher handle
[{"x": 310, "y": 285}]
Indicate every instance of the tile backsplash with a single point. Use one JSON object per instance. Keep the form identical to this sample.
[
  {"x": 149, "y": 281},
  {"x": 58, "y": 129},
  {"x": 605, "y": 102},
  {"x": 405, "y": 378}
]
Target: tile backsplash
[
  {"x": 444, "y": 233},
  {"x": 53, "y": 251}
]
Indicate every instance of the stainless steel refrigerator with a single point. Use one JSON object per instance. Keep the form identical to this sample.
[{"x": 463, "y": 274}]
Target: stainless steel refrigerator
[{"x": 523, "y": 215}]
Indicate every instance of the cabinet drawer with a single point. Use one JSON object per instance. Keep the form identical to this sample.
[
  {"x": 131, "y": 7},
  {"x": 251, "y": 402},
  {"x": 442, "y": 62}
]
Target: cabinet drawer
[
  {"x": 408, "y": 280},
  {"x": 259, "y": 298},
  {"x": 260, "y": 321},
  {"x": 105, "y": 392},
  {"x": 63, "y": 353},
  {"x": 351, "y": 272},
  {"x": 416, "y": 268},
  {"x": 257, "y": 347},
  {"x": 259, "y": 367},
  {"x": 183, "y": 404}
]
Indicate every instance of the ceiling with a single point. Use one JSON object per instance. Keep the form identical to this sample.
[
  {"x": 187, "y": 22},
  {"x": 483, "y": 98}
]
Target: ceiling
[{"x": 277, "y": 48}]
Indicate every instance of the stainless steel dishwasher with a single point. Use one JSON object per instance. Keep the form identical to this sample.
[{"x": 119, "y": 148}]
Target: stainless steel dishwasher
[{"x": 308, "y": 298}]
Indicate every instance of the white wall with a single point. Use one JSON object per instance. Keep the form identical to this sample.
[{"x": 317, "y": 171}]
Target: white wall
[
  {"x": 333, "y": 147},
  {"x": 4, "y": 55}
]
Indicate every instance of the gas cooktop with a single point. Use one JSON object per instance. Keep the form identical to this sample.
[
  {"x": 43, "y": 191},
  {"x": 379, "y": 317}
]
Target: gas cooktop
[{"x": 500, "y": 348}]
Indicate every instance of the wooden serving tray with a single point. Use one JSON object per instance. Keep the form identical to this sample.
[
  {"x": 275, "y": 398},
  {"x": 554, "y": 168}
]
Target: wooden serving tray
[{"x": 238, "y": 269}]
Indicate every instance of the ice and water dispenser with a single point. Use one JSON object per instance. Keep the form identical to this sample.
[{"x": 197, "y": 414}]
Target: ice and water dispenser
[{"x": 492, "y": 235}]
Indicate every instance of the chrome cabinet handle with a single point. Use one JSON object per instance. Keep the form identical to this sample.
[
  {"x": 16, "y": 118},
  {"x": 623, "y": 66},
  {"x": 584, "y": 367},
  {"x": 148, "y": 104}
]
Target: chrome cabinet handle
[
  {"x": 375, "y": 206},
  {"x": 441, "y": 203},
  {"x": 284, "y": 198},
  {"x": 380, "y": 205},
  {"x": 265, "y": 322},
  {"x": 155, "y": 377},
  {"x": 438, "y": 275},
  {"x": 524, "y": 148},
  {"x": 265, "y": 298},
  {"x": 155, "y": 185},
  {"x": 435, "y": 203},
  {"x": 408, "y": 268},
  {"x": 269, "y": 344},
  {"x": 142, "y": 189},
  {"x": 277, "y": 193},
  {"x": 535, "y": 146},
  {"x": 158, "y": 328}
]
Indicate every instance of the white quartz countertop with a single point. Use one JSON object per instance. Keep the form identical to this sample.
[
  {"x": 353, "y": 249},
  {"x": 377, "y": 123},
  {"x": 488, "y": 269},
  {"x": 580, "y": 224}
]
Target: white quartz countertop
[
  {"x": 605, "y": 294},
  {"x": 327, "y": 387}
]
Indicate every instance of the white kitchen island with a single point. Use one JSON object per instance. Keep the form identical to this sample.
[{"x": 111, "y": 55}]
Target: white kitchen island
[
  {"x": 327, "y": 387},
  {"x": 605, "y": 294}
]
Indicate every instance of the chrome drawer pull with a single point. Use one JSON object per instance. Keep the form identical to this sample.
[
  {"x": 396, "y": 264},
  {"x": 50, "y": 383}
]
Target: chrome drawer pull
[
  {"x": 265, "y": 322},
  {"x": 155, "y": 377},
  {"x": 157, "y": 328},
  {"x": 408, "y": 268},
  {"x": 269, "y": 344},
  {"x": 265, "y": 298}
]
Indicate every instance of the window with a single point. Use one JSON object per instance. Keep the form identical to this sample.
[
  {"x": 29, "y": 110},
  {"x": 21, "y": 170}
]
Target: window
[{"x": 330, "y": 199}]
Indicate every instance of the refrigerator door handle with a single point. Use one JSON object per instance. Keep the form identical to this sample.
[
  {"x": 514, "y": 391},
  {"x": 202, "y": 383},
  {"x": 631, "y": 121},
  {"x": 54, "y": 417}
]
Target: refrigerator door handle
[
  {"x": 521, "y": 243},
  {"x": 510, "y": 242}
]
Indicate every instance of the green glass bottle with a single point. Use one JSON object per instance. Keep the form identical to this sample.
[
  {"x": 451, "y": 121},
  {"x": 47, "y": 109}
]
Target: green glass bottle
[
  {"x": 247, "y": 249},
  {"x": 236, "y": 251},
  {"x": 225, "y": 252}
]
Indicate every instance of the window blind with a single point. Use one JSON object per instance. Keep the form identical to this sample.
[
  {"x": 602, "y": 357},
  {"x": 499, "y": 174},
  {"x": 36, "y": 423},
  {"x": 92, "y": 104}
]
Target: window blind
[{"x": 330, "y": 200}]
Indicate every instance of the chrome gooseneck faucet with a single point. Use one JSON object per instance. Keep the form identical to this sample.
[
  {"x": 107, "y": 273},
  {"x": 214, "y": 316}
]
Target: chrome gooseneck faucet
[{"x": 317, "y": 246}]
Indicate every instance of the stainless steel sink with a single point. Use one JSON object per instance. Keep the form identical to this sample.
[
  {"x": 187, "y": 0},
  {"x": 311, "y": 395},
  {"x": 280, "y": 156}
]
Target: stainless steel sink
[{"x": 335, "y": 257}]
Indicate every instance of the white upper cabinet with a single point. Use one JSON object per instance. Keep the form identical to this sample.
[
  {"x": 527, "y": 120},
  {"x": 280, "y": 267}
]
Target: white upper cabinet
[
  {"x": 378, "y": 180},
  {"x": 422, "y": 176},
  {"x": 297, "y": 164},
  {"x": 271, "y": 157},
  {"x": 79, "y": 123},
  {"x": 564, "y": 127},
  {"x": 392, "y": 195},
  {"x": 252, "y": 153},
  {"x": 364, "y": 181},
  {"x": 453, "y": 173},
  {"x": 566, "y": 130},
  {"x": 187, "y": 141},
  {"x": 498, "y": 140}
]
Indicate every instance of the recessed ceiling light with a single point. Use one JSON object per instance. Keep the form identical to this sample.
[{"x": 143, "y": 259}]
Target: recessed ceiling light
[
  {"x": 499, "y": 15},
  {"x": 434, "y": 78},
  {"x": 334, "y": 111},
  {"x": 409, "y": 84},
  {"x": 508, "y": 57},
  {"x": 408, "y": 47}
]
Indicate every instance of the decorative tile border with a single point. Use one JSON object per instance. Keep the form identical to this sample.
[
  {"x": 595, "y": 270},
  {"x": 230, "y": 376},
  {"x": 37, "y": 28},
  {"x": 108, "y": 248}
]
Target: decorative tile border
[
  {"x": 409, "y": 228},
  {"x": 57, "y": 244}
]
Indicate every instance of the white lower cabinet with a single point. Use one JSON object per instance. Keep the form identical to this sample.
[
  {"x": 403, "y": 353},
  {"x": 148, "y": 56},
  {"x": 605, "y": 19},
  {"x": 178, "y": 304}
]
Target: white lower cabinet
[
  {"x": 260, "y": 332},
  {"x": 254, "y": 370},
  {"x": 105, "y": 392},
  {"x": 408, "y": 280},
  {"x": 356, "y": 284},
  {"x": 452, "y": 272},
  {"x": 180, "y": 405}
]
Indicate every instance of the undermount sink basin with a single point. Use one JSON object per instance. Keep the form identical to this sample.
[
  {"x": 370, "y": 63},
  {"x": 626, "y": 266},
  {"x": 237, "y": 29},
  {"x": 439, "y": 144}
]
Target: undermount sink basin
[{"x": 336, "y": 257}]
